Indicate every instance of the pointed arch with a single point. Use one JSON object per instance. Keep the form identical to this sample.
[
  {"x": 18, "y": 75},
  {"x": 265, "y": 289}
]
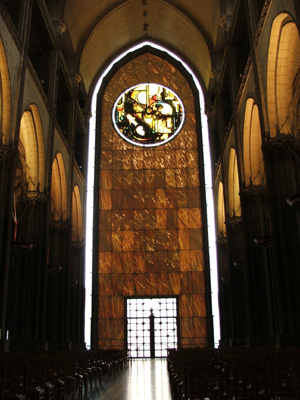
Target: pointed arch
[
  {"x": 253, "y": 155},
  {"x": 233, "y": 186},
  {"x": 283, "y": 66},
  {"x": 58, "y": 189},
  {"x": 76, "y": 215},
  {"x": 31, "y": 148},
  {"x": 221, "y": 211},
  {"x": 5, "y": 97}
]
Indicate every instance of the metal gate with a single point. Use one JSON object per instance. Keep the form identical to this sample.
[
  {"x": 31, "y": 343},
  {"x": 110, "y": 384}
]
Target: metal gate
[{"x": 146, "y": 338}]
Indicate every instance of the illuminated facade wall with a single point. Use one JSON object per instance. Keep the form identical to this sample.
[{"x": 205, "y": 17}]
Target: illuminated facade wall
[{"x": 150, "y": 238}]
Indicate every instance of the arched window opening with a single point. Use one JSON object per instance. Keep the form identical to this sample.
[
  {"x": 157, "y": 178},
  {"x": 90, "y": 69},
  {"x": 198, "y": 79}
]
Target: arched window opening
[
  {"x": 31, "y": 149},
  {"x": 58, "y": 189},
  {"x": 253, "y": 155},
  {"x": 283, "y": 66},
  {"x": 76, "y": 216},
  {"x": 234, "y": 186},
  {"x": 221, "y": 212},
  {"x": 5, "y": 98}
]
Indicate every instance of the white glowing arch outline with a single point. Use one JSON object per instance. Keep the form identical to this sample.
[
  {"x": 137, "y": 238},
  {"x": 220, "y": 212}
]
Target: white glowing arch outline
[{"x": 208, "y": 192}]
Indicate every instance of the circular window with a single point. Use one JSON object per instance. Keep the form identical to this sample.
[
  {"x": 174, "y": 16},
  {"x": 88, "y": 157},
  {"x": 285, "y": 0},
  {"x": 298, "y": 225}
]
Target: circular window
[{"x": 148, "y": 115}]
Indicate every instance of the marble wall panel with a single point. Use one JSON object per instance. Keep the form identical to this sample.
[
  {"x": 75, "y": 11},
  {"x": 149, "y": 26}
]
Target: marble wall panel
[
  {"x": 105, "y": 263},
  {"x": 150, "y": 220},
  {"x": 105, "y": 220}
]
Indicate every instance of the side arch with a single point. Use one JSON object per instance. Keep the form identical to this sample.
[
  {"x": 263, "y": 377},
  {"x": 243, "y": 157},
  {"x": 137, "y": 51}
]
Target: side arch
[
  {"x": 253, "y": 155},
  {"x": 76, "y": 215},
  {"x": 221, "y": 211},
  {"x": 58, "y": 189},
  {"x": 5, "y": 97},
  {"x": 283, "y": 66},
  {"x": 233, "y": 186},
  {"x": 31, "y": 149}
]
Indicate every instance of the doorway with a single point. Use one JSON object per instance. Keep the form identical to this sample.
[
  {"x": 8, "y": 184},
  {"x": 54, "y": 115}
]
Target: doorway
[{"x": 151, "y": 326}]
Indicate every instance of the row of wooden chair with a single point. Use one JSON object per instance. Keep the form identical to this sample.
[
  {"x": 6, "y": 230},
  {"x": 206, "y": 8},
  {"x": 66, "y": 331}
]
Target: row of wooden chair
[
  {"x": 60, "y": 375},
  {"x": 234, "y": 374}
]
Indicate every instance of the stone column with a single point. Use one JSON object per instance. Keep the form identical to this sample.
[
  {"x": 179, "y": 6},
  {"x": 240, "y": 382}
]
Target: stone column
[
  {"x": 58, "y": 287},
  {"x": 238, "y": 283},
  {"x": 262, "y": 303},
  {"x": 281, "y": 155},
  {"x": 27, "y": 277}
]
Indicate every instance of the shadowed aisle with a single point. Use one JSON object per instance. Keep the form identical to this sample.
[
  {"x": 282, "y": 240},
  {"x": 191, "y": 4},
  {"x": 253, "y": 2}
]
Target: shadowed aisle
[{"x": 144, "y": 379}]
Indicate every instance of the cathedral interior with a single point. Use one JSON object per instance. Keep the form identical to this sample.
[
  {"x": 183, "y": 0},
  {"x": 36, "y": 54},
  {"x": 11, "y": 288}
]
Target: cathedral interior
[{"x": 172, "y": 117}]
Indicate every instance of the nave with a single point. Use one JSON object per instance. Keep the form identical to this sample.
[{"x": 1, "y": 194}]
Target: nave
[{"x": 145, "y": 379}]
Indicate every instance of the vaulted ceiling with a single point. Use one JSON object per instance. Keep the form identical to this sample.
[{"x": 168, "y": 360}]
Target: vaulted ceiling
[{"x": 98, "y": 31}]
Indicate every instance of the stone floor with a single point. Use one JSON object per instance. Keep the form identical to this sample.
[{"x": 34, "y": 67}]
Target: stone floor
[{"x": 143, "y": 379}]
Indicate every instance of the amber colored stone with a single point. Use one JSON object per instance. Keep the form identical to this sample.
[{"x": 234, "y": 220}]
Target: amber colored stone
[
  {"x": 117, "y": 240},
  {"x": 105, "y": 222},
  {"x": 106, "y": 158},
  {"x": 129, "y": 285},
  {"x": 194, "y": 217},
  {"x": 117, "y": 160},
  {"x": 149, "y": 198},
  {"x": 127, "y": 179},
  {"x": 117, "y": 284},
  {"x": 184, "y": 239},
  {"x": 186, "y": 327},
  {"x": 160, "y": 159},
  {"x": 196, "y": 239},
  {"x": 192, "y": 159},
  {"x": 193, "y": 178},
  {"x": 117, "y": 307},
  {"x": 186, "y": 283},
  {"x": 117, "y": 220},
  {"x": 104, "y": 261},
  {"x": 138, "y": 160},
  {"x": 197, "y": 260},
  {"x": 105, "y": 202},
  {"x": 117, "y": 262},
  {"x": 174, "y": 261},
  {"x": 138, "y": 179},
  {"x": 150, "y": 219},
  {"x": 170, "y": 159},
  {"x": 185, "y": 260},
  {"x": 183, "y": 218},
  {"x": 128, "y": 199},
  {"x": 170, "y": 178},
  {"x": 117, "y": 179},
  {"x": 127, "y": 217},
  {"x": 149, "y": 179},
  {"x": 139, "y": 262},
  {"x": 174, "y": 279},
  {"x": 171, "y": 198},
  {"x": 161, "y": 218},
  {"x": 199, "y": 305},
  {"x": 200, "y": 327},
  {"x": 160, "y": 178},
  {"x": 106, "y": 179},
  {"x": 105, "y": 241},
  {"x": 138, "y": 199},
  {"x": 117, "y": 199},
  {"x": 194, "y": 198},
  {"x": 104, "y": 285},
  {"x": 128, "y": 160},
  {"x": 104, "y": 307},
  {"x": 181, "y": 178},
  {"x": 160, "y": 196},
  {"x": 185, "y": 306},
  {"x": 128, "y": 241},
  {"x": 182, "y": 198}
]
